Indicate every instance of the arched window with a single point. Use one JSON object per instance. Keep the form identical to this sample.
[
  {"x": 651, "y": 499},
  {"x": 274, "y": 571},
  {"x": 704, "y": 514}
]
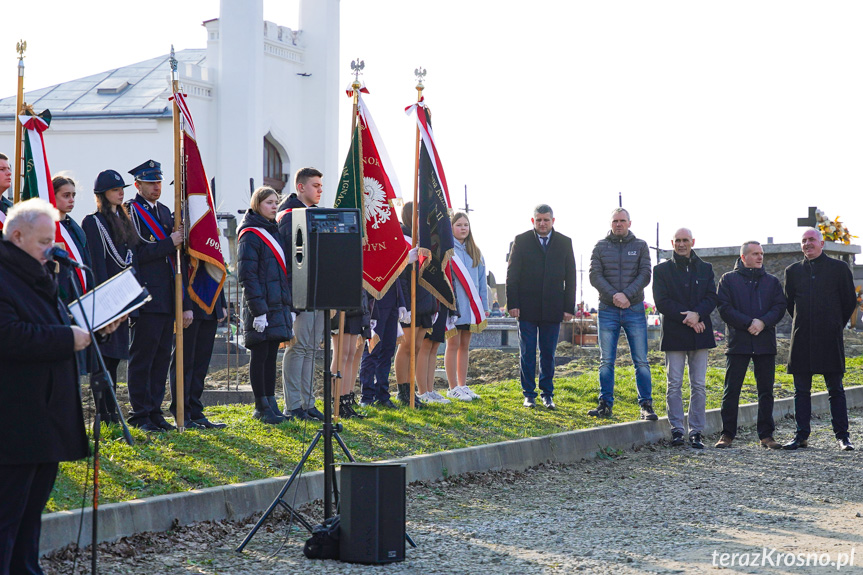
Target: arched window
[{"x": 273, "y": 175}]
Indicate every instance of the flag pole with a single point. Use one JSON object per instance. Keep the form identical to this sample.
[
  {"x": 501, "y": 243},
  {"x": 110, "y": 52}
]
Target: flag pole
[
  {"x": 414, "y": 226},
  {"x": 20, "y": 47},
  {"x": 179, "y": 184}
]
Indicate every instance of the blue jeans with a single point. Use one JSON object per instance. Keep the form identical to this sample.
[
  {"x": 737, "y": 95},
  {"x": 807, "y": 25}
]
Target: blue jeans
[
  {"x": 634, "y": 324},
  {"x": 547, "y": 332}
]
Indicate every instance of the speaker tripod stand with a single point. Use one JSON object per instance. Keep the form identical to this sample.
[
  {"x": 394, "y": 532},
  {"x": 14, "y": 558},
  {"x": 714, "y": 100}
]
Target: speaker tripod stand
[{"x": 327, "y": 432}]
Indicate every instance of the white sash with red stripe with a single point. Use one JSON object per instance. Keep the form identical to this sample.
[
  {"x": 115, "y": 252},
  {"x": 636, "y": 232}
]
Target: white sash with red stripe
[
  {"x": 477, "y": 314},
  {"x": 72, "y": 249},
  {"x": 271, "y": 243}
]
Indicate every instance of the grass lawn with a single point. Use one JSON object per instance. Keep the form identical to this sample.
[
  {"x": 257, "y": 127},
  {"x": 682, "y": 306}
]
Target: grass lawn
[{"x": 248, "y": 450}]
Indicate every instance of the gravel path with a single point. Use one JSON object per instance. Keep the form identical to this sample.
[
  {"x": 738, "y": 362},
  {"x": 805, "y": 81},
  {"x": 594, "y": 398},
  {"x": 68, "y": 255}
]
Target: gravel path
[{"x": 656, "y": 510}]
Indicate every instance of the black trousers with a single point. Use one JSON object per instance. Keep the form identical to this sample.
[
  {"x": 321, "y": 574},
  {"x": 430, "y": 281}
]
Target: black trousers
[
  {"x": 24, "y": 491},
  {"x": 735, "y": 371},
  {"x": 198, "y": 341},
  {"x": 803, "y": 404},
  {"x": 149, "y": 358},
  {"x": 262, "y": 368}
]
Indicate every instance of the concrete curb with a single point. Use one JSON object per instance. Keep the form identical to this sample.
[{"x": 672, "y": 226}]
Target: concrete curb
[{"x": 239, "y": 500}]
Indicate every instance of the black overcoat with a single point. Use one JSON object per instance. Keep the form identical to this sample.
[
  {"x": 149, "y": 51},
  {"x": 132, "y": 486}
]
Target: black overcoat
[
  {"x": 821, "y": 299},
  {"x": 681, "y": 285},
  {"x": 40, "y": 399},
  {"x": 541, "y": 284},
  {"x": 104, "y": 268},
  {"x": 266, "y": 289}
]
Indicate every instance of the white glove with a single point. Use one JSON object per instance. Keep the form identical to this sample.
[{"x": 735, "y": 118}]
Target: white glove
[
  {"x": 413, "y": 255},
  {"x": 293, "y": 316},
  {"x": 260, "y": 323},
  {"x": 403, "y": 312},
  {"x": 434, "y": 318},
  {"x": 450, "y": 322},
  {"x": 373, "y": 324}
]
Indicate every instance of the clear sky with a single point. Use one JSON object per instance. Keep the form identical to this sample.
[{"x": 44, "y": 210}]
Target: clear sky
[{"x": 730, "y": 118}]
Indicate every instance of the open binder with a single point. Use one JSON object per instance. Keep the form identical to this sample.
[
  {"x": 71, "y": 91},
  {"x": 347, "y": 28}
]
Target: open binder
[{"x": 109, "y": 301}]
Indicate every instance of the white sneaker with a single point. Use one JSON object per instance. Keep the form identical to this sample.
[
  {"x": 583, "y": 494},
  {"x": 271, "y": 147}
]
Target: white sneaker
[
  {"x": 435, "y": 397},
  {"x": 470, "y": 392},
  {"x": 459, "y": 394}
]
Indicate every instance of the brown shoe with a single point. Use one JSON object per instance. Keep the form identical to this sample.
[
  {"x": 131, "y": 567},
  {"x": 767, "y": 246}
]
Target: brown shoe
[
  {"x": 770, "y": 443},
  {"x": 724, "y": 441}
]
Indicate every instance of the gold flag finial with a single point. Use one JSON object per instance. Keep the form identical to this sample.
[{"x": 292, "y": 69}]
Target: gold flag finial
[{"x": 21, "y": 47}]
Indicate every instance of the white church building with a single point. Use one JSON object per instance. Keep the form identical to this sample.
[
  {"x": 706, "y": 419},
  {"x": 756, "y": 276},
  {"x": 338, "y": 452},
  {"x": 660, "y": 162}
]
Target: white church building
[{"x": 264, "y": 99}]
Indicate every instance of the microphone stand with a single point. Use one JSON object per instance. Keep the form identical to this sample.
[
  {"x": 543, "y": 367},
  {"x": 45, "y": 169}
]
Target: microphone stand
[{"x": 100, "y": 383}]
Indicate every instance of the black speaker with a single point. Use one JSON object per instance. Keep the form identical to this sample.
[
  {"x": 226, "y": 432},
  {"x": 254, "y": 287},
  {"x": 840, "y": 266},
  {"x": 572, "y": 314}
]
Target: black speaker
[
  {"x": 372, "y": 508},
  {"x": 326, "y": 259}
]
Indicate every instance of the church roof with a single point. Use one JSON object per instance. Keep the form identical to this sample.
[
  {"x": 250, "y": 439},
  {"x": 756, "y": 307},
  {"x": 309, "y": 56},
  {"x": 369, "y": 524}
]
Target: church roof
[{"x": 139, "y": 90}]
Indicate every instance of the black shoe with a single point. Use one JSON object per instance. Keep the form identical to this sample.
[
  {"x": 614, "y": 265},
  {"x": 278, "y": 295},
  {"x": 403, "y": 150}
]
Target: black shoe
[
  {"x": 796, "y": 443},
  {"x": 648, "y": 414},
  {"x": 161, "y": 422},
  {"x": 845, "y": 444},
  {"x": 314, "y": 413},
  {"x": 274, "y": 405},
  {"x": 529, "y": 402},
  {"x": 548, "y": 402},
  {"x": 300, "y": 414},
  {"x": 207, "y": 424},
  {"x": 677, "y": 438},
  {"x": 602, "y": 410},
  {"x": 148, "y": 426},
  {"x": 346, "y": 408},
  {"x": 191, "y": 424},
  {"x": 386, "y": 403},
  {"x": 695, "y": 441},
  {"x": 367, "y": 402},
  {"x": 264, "y": 414},
  {"x": 404, "y": 397}
]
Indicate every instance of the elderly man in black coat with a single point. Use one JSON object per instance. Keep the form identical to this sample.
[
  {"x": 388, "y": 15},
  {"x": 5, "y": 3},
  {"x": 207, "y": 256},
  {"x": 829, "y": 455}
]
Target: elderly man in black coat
[
  {"x": 685, "y": 295},
  {"x": 40, "y": 401},
  {"x": 821, "y": 299},
  {"x": 540, "y": 292},
  {"x": 751, "y": 303}
]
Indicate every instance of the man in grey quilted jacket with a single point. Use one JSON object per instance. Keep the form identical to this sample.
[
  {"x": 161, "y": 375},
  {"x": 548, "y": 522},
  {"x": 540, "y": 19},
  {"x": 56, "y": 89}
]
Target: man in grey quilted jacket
[{"x": 620, "y": 270}]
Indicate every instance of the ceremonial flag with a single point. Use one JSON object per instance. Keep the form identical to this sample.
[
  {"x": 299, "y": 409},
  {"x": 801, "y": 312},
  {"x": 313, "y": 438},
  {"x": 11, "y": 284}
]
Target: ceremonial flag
[
  {"x": 37, "y": 181},
  {"x": 206, "y": 264},
  {"x": 368, "y": 183},
  {"x": 433, "y": 204}
]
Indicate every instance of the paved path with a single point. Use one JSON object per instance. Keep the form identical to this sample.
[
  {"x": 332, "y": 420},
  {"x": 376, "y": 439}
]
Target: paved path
[{"x": 657, "y": 510}]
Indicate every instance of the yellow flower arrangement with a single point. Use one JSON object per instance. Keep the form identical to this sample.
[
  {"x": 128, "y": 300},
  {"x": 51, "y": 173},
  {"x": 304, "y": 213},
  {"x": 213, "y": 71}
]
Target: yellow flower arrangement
[{"x": 832, "y": 230}]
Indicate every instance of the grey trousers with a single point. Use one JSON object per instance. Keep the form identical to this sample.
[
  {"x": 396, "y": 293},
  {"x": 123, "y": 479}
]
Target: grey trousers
[
  {"x": 674, "y": 364},
  {"x": 298, "y": 364}
]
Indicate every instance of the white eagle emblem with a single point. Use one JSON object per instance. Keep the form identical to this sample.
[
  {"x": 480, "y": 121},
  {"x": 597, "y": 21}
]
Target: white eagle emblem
[{"x": 377, "y": 210}]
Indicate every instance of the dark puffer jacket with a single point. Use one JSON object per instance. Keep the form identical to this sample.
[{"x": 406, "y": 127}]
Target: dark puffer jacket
[
  {"x": 620, "y": 265},
  {"x": 746, "y": 294},
  {"x": 266, "y": 288}
]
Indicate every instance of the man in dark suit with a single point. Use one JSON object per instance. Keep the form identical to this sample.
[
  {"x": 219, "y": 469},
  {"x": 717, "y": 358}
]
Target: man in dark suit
[
  {"x": 685, "y": 295},
  {"x": 540, "y": 292},
  {"x": 821, "y": 299},
  {"x": 5, "y": 184},
  {"x": 153, "y": 329},
  {"x": 40, "y": 401}
]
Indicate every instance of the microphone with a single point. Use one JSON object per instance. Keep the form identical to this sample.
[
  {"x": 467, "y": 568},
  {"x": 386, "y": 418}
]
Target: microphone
[{"x": 62, "y": 256}]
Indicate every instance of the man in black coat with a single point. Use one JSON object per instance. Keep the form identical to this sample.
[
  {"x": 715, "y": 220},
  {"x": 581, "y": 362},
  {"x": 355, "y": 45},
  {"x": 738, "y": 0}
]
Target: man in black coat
[
  {"x": 153, "y": 329},
  {"x": 540, "y": 292},
  {"x": 751, "y": 304},
  {"x": 685, "y": 295},
  {"x": 5, "y": 184},
  {"x": 821, "y": 299},
  {"x": 620, "y": 270},
  {"x": 40, "y": 401}
]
